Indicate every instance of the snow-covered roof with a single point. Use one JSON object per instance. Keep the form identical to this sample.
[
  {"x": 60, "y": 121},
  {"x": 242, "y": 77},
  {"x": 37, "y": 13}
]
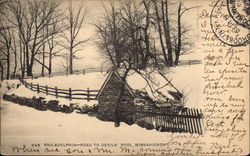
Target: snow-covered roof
[{"x": 156, "y": 86}]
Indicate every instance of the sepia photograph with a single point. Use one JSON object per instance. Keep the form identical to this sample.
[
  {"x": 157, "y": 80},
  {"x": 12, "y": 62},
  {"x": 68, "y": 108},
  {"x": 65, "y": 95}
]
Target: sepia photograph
[{"x": 124, "y": 77}]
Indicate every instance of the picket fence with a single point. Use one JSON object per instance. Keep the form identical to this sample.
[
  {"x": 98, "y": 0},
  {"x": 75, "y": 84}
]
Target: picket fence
[
  {"x": 64, "y": 93},
  {"x": 188, "y": 121}
]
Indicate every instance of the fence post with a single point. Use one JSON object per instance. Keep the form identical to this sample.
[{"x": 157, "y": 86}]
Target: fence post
[
  {"x": 189, "y": 63},
  {"x": 101, "y": 69},
  {"x": 83, "y": 72},
  {"x": 46, "y": 87},
  {"x": 88, "y": 94},
  {"x": 188, "y": 121},
  {"x": 56, "y": 92},
  {"x": 199, "y": 121},
  {"x": 194, "y": 120},
  {"x": 70, "y": 96},
  {"x": 38, "y": 89},
  {"x": 31, "y": 86}
]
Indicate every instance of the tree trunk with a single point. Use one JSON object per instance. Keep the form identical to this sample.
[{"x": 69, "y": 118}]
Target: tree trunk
[
  {"x": 178, "y": 49},
  {"x": 21, "y": 55},
  {"x": 50, "y": 63},
  {"x": 30, "y": 68},
  {"x": 24, "y": 62},
  {"x": 146, "y": 36},
  {"x": 160, "y": 33},
  {"x": 167, "y": 34},
  {"x": 14, "y": 49},
  {"x": 28, "y": 72},
  {"x": 1, "y": 66},
  {"x": 71, "y": 61},
  {"x": 15, "y": 65},
  {"x": 8, "y": 65},
  {"x": 43, "y": 59},
  {"x": 176, "y": 61},
  {"x": 117, "y": 117}
]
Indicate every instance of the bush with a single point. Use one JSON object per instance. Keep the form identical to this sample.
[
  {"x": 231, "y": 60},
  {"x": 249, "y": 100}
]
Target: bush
[
  {"x": 39, "y": 103},
  {"x": 34, "y": 102},
  {"x": 90, "y": 110},
  {"x": 53, "y": 105},
  {"x": 66, "y": 109}
]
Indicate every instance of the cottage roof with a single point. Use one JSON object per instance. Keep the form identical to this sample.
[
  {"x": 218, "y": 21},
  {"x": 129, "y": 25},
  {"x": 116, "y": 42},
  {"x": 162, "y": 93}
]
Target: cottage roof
[
  {"x": 107, "y": 80},
  {"x": 151, "y": 82}
]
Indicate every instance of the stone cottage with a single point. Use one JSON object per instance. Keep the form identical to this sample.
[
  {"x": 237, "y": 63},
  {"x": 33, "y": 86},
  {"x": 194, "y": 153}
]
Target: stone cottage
[
  {"x": 108, "y": 97},
  {"x": 155, "y": 86}
]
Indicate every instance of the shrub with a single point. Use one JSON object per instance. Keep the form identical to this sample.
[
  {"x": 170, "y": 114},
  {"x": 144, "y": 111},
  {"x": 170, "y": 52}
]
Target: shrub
[
  {"x": 53, "y": 105},
  {"x": 39, "y": 103},
  {"x": 66, "y": 109},
  {"x": 90, "y": 110}
]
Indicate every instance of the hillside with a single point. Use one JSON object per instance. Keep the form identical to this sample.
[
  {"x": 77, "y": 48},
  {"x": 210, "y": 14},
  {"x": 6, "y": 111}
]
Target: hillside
[{"x": 190, "y": 84}]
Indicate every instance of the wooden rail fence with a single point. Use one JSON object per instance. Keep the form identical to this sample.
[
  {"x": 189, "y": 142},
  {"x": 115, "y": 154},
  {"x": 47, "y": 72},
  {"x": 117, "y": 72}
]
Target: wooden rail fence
[
  {"x": 66, "y": 73},
  {"x": 188, "y": 121},
  {"x": 64, "y": 93}
]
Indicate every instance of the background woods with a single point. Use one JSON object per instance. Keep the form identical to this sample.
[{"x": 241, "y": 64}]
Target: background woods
[
  {"x": 129, "y": 34},
  {"x": 34, "y": 32},
  {"x": 144, "y": 33}
]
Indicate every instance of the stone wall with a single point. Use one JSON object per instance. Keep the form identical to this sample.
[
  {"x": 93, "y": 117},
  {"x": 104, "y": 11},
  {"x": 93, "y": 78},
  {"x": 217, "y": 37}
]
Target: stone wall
[{"x": 108, "y": 98}]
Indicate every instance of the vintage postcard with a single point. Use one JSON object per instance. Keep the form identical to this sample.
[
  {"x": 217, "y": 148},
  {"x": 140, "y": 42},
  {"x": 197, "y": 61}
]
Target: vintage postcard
[{"x": 124, "y": 77}]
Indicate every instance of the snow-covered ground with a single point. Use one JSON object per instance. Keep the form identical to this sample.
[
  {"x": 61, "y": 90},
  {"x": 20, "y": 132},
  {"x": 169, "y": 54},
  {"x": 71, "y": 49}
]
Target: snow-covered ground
[{"x": 24, "y": 125}]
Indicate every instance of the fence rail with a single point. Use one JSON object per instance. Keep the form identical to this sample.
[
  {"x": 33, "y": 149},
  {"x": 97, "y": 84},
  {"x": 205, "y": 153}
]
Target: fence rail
[
  {"x": 65, "y": 93},
  {"x": 188, "y": 121},
  {"x": 66, "y": 73},
  {"x": 102, "y": 69}
]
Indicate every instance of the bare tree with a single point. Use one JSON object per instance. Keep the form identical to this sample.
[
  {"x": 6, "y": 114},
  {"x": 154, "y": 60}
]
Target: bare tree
[
  {"x": 181, "y": 41},
  {"x": 163, "y": 27},
  {"x": 73, "y": 24},
  {"x": 2, "y": 58},
  {"x": 171, "y": 30},
  {"x": 52, "y": 42},
  {"x": 50, "y": 34},
  {"x": 138, "y": 21},
  {"x": 2, "y": 69},
  {"x": 112, "y": 37},
  {"x": 3, "y": 7},
  {"x": 14, "y": 51},
  {"x": 30, "y": 19},
  {"x": 6, "y": 41},
  {"x": 21, "y": 56},
  {"x": 124, "y": 33},
  {"x": 64, "y": 63}
]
